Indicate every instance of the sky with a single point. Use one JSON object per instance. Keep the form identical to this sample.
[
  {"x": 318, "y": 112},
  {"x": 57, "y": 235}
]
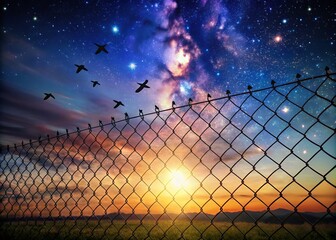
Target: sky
[{"x": 186, "y": 49}]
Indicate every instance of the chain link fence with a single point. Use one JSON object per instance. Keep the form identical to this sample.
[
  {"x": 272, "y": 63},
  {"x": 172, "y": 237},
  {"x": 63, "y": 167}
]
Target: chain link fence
[{"x": 254, "y": 165}]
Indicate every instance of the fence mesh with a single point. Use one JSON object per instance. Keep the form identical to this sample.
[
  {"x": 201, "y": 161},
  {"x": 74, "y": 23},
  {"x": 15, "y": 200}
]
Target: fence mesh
[{"x": 255, "y": 165}]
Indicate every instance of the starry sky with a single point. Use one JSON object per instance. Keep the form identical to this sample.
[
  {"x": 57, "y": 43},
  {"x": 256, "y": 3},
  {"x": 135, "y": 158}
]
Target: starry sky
[{"x": 184, "y": 48}]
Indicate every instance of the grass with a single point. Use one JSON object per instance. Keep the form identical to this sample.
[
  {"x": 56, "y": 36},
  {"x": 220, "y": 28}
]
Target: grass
[{"x": 163, "y": 229}]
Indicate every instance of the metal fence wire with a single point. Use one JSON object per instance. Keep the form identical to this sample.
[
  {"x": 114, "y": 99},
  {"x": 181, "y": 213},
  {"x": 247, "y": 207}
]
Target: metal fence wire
[{"x": 254, "y": 165}]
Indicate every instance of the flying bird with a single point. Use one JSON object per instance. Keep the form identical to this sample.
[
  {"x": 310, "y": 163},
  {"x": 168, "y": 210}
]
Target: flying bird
[
  {"x": 101, "y": 48},
  {"x": 80, "y": 68},
  {"x": 118, "y": 103},
  {"x": 142, "y": 86},
  {"x": 95, "y": 83},
  {"x": 48, "y": 95}
]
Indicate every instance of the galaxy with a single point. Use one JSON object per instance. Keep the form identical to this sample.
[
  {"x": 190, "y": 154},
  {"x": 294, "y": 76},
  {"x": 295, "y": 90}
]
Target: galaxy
[{"x": 185, "y": 49}]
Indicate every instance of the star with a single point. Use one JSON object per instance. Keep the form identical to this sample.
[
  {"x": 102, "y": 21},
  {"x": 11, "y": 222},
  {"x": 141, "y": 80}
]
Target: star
[
  {"x": 277, "y": 38},
  {"x": 35, "y": 18},
  {"x": 115, "y": 29},
  {"x": 285, "y": 109},
  {"x": 185, "y": 88},
  {"x": 284, "y": 21},
  {"x": 132, "y": 66}
]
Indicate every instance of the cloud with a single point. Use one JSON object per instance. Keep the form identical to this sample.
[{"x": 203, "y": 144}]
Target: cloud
[{"x": 25, "y": 115}]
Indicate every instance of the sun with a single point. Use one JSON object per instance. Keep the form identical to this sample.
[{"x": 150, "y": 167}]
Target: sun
[{"x": 178, "y": 180}]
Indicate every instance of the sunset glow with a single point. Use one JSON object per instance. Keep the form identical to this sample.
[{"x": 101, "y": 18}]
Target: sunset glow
[{"x": 178, "y": 180}]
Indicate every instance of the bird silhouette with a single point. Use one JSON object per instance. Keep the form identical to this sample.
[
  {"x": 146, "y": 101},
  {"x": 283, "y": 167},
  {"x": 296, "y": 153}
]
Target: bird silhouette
[
  {"x": 173, "y": 104},
  {"x": 95, "y": 83},
  {"x": 101, "y": 48},
  {"x": 249, "y": 87},
  {"x": 48, "y": 95},
  {"x": 118, "y": 103},
  {"x": 157, "y": 109},
  {"x": 142, "y": 86},
  {"x": 273, "y": 82},
  {"x": 327, "y": 69},
  {"x": 298, "y": 75},
  {"x": 190, "y": 101},
  {"x": 228, "y": 92},
  {"x": 80, "y": 68}
]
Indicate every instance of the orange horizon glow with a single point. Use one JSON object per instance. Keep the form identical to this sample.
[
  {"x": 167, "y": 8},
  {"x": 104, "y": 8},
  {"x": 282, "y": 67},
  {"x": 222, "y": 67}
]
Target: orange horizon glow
[{"x": 173, "y": 190}]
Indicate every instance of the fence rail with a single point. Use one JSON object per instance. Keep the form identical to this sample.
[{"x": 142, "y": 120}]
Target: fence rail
[{"x": 254, "y": 165}]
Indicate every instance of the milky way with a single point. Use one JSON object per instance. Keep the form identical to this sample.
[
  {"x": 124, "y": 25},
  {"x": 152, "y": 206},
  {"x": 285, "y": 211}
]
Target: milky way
[{"x": 185, "y": 49}]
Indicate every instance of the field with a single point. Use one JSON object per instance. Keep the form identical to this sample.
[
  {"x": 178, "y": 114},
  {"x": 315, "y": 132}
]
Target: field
[{"x": 163, "y": 229}]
